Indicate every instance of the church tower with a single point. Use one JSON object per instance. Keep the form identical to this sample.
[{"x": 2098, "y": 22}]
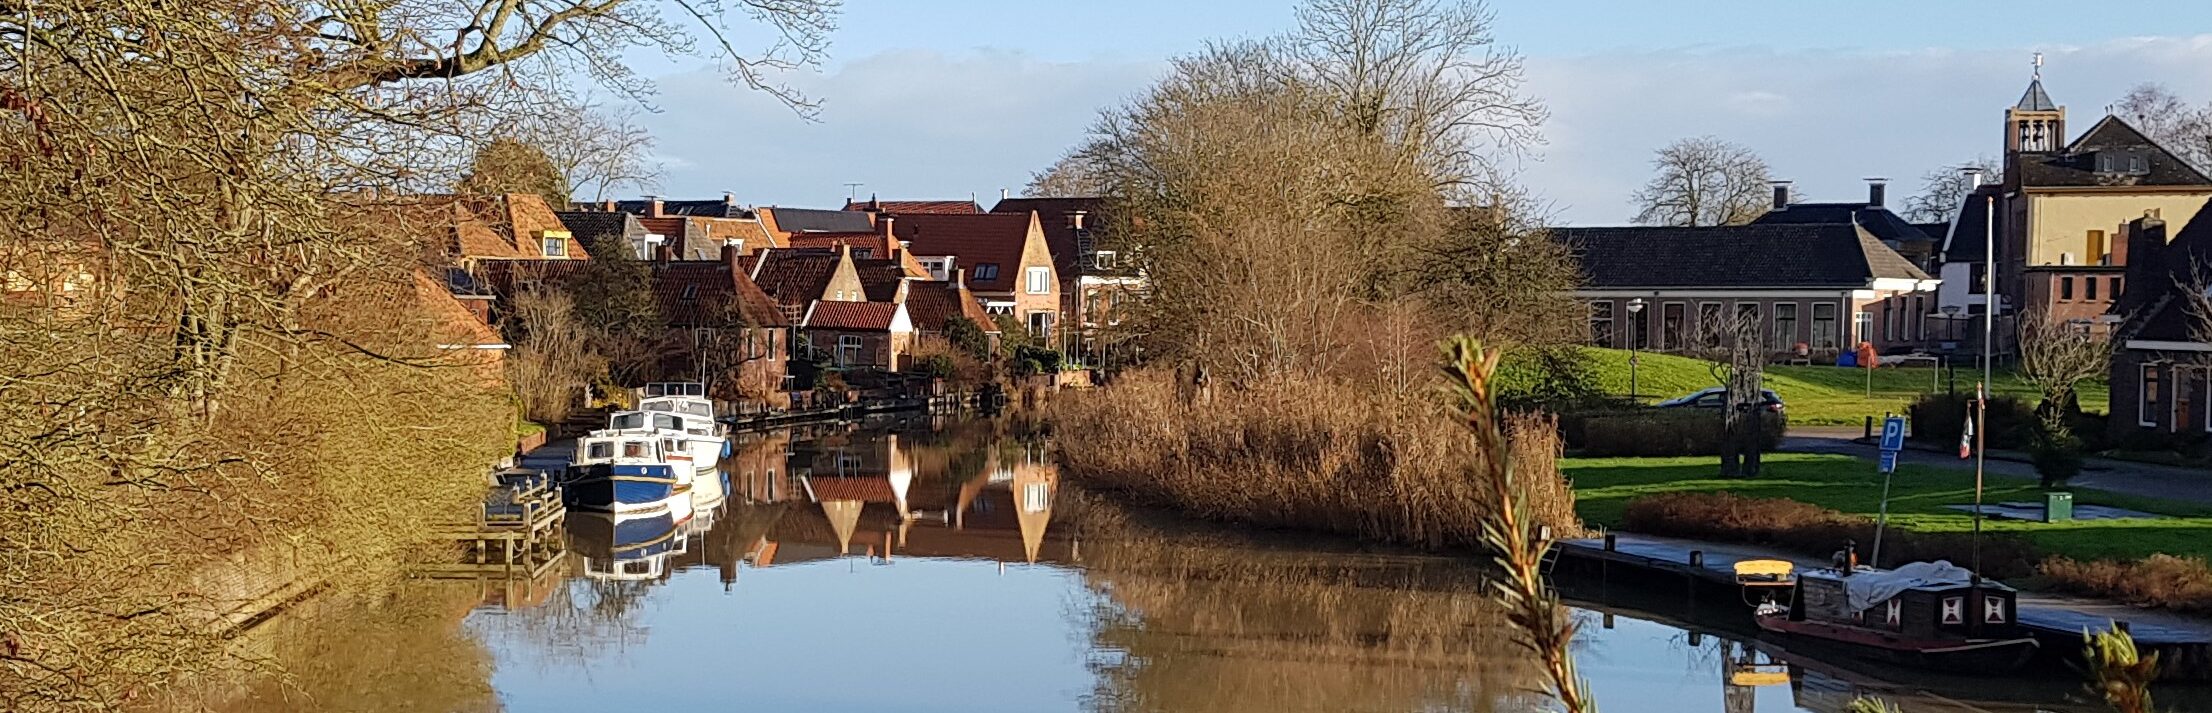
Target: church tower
[{"x": 2034, "y": 124}]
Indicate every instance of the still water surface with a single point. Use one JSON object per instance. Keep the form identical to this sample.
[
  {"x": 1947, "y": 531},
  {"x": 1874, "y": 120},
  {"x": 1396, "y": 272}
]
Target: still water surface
[{"x": 938, "y": 566}]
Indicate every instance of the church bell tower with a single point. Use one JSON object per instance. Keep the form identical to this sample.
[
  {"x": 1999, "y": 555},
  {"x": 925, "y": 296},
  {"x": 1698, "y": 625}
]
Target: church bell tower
[{"x": 2035, "y": 124}]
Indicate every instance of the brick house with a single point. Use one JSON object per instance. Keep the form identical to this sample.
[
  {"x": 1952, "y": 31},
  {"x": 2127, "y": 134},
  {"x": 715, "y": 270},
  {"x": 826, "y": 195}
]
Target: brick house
[
  {"x": 724, "y": 329},
  {"x": 1098, "y": 279},
  {"x": 689, "y": 229},
  {"x": 2162, "y": 368},
  {"x": 955, "y": 207},
  {"x": 1008, "y": 264},
  {"x": 1827, "y": 286},
  {"x": 876, "y": 335}
]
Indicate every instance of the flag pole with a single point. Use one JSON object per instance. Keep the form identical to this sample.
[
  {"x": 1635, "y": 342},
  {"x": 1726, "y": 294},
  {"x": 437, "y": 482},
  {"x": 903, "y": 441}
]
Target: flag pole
[{"x": 1989, "y": 330}]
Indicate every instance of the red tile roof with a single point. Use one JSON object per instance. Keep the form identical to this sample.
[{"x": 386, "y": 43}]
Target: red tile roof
[
  {"x": 973, "y": 241},
  {"x": 931, "y": 304},
  {"x": 871, "y": 242},
  {"x": 967, "y": 207},
  {"x": 794, "y": 278},
  {"x": 867, "y": 490},
  {"x": 1053, "y": 217},
  {"x": 855, "y": 316},
  {"x": 507, "y": 226},
  {"x": 706, "y": 293},
  {"x": 879, "y": 279}
]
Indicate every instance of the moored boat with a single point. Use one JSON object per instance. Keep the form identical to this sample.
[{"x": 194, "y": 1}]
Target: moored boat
[
  {"x": 703, "y": 435},
  {"x": 1931, "y": 615},
  {"x": 626, "y": 471}
]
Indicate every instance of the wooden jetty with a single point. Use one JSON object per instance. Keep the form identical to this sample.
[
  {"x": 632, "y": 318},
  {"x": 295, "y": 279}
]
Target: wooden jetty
[
  {"x": 2184, "y": 643},
  {"x": 517, "y": 533}
]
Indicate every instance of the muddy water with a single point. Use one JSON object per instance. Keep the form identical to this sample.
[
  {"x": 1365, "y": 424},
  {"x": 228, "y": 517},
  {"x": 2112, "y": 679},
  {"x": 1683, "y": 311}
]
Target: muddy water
[{"x": 941, "y": 567}]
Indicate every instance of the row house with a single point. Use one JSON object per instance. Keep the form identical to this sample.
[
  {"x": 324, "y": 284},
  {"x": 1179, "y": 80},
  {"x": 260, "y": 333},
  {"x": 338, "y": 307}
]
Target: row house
[
  {"x": 932, "y": 207},
  {"x": 1007, "y": 263},
  {"x": 801, "y": 281},
  {"x": 2162, "y": 366},
  {"x": 1814, "y": 289},
  {"x": 726, "y": 331},
  {"x": 686, "y": 229},
  {"x": 1098, "y": 279}
]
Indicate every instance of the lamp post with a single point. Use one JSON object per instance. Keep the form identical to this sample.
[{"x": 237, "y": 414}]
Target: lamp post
[{"x": 1635, "y": 332}]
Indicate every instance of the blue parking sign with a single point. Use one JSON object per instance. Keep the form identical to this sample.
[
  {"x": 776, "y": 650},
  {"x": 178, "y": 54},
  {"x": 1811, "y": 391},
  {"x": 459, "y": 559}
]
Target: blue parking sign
[
  {"x": 1893, "y": 434},
  {"x": 1889, "y": 461}
]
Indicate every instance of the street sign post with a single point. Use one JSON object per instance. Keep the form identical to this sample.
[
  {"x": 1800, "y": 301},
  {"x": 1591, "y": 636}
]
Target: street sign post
[{"x": 1893, "y": 440}]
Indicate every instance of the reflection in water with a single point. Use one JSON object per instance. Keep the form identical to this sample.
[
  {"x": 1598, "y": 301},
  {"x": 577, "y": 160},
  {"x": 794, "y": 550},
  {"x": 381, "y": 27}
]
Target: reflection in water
[{"x": 944, "y": 567}]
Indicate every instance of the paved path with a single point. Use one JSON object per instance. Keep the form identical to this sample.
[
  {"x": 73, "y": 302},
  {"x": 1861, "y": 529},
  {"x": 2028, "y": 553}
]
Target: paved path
[
  {"x": 2127, "y": 478},
  {"x": 2048, "y": 614}
]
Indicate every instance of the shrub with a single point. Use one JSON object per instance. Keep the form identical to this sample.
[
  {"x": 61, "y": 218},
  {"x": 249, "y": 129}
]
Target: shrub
[
  {"x": 2055, "y": 451},
  {"x": 968, "y": 337},
  {"x": 1030, "y": 360},
  {"x": 2160, "y": 580},
  {"x": 1940, "y": 418},
  {"x": 1648, "y": 432},
  {"x": 1553, "y": 377},
  {"x": 1813, "y": 530}
]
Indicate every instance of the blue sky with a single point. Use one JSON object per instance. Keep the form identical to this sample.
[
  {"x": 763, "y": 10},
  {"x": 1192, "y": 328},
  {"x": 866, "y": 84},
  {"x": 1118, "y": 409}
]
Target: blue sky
[{"x": 947, "y": 98}]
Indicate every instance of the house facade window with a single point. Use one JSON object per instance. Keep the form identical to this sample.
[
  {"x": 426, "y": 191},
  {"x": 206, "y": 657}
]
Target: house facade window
[
  {"x": 2089, "y": 288},
  {"x": 1709, "y": 326},
  {"x": 1040, "y": 280},
  {"x": 1040, "y": 323},
  {"x": 1917, "y": 322},
  {"x": 1601, "y": 323},
  {"x": 848, "y": 349},
  {"x": 1036, "y": 497},
  {"x": 1862, "y": 324},
  {"x": 556, "y": 246},
  {"x": 1672, "y": 317},
  {"x": 2146, "y": 407},
  {"x": 1824, "y": 326},
  {"x": 1103, "y": 259},
  {"x": 2115, "y": 291},
  {"x": 1748, "y": 312},
  {"x": 2066, "y": 288},
  {"x": 1785, "y": 326}
]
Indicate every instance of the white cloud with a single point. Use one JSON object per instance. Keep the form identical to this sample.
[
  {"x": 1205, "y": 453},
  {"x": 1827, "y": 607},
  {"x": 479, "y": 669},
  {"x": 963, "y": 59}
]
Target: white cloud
[{"x": 907, "y": 124}]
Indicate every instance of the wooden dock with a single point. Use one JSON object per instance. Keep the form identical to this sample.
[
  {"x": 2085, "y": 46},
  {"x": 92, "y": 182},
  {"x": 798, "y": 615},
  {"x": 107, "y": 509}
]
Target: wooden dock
[
  {"x": 517, "y": 532},
  {"x": 2184, "y": 643}
]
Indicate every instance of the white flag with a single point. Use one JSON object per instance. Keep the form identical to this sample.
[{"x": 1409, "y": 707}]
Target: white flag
[{"x": 1966, "y": 439}]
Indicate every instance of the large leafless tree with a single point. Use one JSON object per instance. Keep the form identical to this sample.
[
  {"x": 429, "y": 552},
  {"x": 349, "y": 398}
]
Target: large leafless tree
[
  {"x": 2182, "y": 128},
  {"x": 1704, "y": 181},
  {"x": 1944, "y": 189}
]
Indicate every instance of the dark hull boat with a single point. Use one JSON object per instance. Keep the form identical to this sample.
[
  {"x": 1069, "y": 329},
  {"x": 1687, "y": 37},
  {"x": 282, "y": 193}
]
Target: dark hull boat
[{"x": 1925, "y": 615}]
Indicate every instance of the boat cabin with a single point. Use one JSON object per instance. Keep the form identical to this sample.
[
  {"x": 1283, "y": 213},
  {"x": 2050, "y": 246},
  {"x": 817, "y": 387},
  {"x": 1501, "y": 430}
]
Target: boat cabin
[
  {"x": 679, "y": 404},
  {"x": 675, "y": 388},
  {"x": 1920, "y": 611},
  {"x": 633, "y": 448}
]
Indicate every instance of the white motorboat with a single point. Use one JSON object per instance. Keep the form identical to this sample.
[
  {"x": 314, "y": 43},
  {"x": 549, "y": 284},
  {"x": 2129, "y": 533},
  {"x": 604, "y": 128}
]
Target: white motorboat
[
  {"x": 703, "y": 435},
  {"x": 628, "y": 471},
  {"x": 672, "y": 430}
]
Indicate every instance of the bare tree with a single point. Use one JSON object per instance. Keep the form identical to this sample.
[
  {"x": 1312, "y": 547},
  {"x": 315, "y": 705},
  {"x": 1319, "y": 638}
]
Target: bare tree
[
  {"x": 2056, "y": 356},
  {"x": 2167, "y": 119},
  {"x": 1071, "y": 176},
  {"x": 1736, "y": 356},
  {"x": 1944, "y": 189},
  {"x": 600, "y": 150},
  {"x": 552, "y": 360},
  {"x": 1704, "y": 181}
]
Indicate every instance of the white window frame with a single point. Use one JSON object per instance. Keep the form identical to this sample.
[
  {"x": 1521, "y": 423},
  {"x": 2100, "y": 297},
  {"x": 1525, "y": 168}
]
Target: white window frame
[
  {"x": 1682, "y": 335},
  {"x": 1889, "y": 322},
  {"x": 1774, "y": 322},
  {"x": 1036, "y": 497},
  {"x": 1835, "y": 326},
  {"x": 553, "y": 246},
  {"x": 1862, "y": 326},
  {"x": 1607, "y": 320},
  {"x": 1103, "y": 259},
  {"x": 2143, "y": 393},
  {"x": 1030, "y": 320},
  {"x": 848, "y": 343},
  {"x": 1039, "y": 280}
]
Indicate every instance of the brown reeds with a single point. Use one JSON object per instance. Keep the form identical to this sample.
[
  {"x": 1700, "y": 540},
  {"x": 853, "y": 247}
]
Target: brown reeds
[
  {"x": 1813, "y": 530},
  {"x": 1311, "y": 455},
  {"x": 2160, "y": 580}
]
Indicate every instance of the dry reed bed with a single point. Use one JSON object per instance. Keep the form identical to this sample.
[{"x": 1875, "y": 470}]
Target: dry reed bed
[{"x": 1304, "y": 455}]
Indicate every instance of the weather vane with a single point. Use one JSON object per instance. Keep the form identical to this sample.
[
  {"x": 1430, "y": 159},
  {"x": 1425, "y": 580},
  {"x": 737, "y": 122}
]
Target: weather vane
[{"x": 2038, "y": 65}]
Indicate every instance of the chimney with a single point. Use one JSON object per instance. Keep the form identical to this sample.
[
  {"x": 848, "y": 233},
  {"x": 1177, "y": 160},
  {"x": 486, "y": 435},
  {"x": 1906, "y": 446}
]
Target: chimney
[
  {"x": 899, "y": 297},
  {"x": 652, "y": 206},
  {"x": 959, "y": 279},
  {"x": 1781, "y": 195},
  {"x": 2144, "y": 252},
  {"x": 883, "y": 223},
  {"x": 1002, "y": 194},
  {"x": 730, "y": 253},
  {"x": 1075, "y": 219},
  {"x": 607, "y": 205},
  {"x": 1875, "y": 187},
  {"x": 728, "y": 199},
  {"x": 664, "y": 253}
]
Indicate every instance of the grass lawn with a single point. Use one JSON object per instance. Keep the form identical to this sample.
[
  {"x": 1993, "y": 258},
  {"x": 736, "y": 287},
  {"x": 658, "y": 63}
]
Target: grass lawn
[
  {"x": 1816, "y": 395},
  {"x": 1603, "y": 487}
]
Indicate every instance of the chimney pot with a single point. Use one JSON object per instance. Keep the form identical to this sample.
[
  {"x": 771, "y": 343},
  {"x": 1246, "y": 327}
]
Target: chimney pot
[
  {"x": 1075, "y": 219},
  {"x": 728, "y": 199},
  {"x": 1781, "y": 195},
  {"x": 1002, "y": 194}
]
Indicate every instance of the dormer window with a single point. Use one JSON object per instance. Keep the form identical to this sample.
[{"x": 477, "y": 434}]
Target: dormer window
[
  {"x": 2137, "y": 165},
  {"x": 1104, "y": 259},
  {"x": 553, "y": 243},
  {"x": 691, "y": 292}
]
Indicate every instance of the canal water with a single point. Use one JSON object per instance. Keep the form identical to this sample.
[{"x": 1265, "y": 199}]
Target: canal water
[{"x": 942, "y": 566}]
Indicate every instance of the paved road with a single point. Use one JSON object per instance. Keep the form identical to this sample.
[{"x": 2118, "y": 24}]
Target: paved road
[{"x": 2139, "y": 479}]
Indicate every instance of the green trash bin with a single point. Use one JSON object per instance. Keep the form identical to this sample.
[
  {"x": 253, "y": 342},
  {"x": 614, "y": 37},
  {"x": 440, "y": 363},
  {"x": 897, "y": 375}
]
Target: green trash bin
[{"x": 2058, "y": 507}]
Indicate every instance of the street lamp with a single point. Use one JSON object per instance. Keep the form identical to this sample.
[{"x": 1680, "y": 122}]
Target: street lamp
[{"x": 1635, "y": 330}]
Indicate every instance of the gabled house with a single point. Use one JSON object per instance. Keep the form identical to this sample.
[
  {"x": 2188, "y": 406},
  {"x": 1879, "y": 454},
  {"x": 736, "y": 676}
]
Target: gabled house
[
  {"x": 1009, "y": 265},
  {"x": 1097, "y": 276},
  {"x": 725, "y": 330},
  {"x": 691, "y": 229},
  {"x": 479, "y": 228},
  {"x": 2162, "y": 367},
  {"x": 1825, "y": 286},
  {"x": 876, "y": 335},
  {"x": 799, "y": 278},
  {"x": 605, "y": 228}
]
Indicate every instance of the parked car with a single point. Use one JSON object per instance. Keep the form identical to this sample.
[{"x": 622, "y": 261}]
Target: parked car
[{"x": 1712, "y": 398}]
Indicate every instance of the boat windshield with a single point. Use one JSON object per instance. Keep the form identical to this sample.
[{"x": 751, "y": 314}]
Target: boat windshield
[
  {"x": 665, "y": 421},
  {"x": 682, "y": 406},
  {"x": 634, "y": 449},
  {"x": 626, "y": 421},
  {"x": 598, "y": 449}
]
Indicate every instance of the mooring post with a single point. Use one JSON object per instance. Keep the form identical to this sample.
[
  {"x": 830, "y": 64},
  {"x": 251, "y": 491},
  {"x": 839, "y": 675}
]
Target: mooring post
[
  {"x": 1697, "y": 558},
  {"x": 1612, "y": 542}
]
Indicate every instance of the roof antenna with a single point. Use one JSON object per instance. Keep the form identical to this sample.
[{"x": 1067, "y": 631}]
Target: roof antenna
[{"x": 852, "y": 190}]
